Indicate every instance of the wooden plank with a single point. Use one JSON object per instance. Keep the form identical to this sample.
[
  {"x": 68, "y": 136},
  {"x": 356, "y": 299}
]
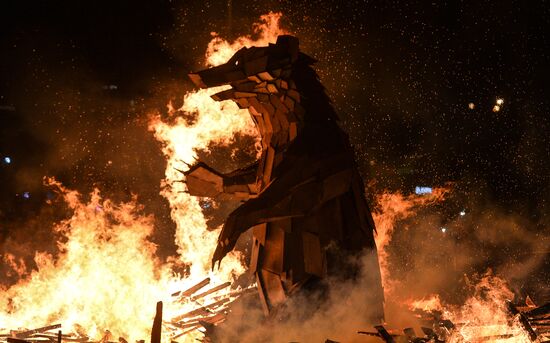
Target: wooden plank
[
  {"x": 16, "y": 340},
  {"x": 201, "y": 310},
  {"x": 211, "y": 290},
  {"x": 156, "y": 331},
  {"x": 38, "y": 330},
  {"x": 272, "y": 257},
  {"x": 313, "y": 255},
  {"x": 262, "y": 292},
  {"x": 273, "y": 287},
  {"x": 268, "y": 165},
  {"x": 192, "y": 289}
]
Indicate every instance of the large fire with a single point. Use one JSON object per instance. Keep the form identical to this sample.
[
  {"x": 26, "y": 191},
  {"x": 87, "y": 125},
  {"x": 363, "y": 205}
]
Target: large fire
[{"x": 107, "y": 278}]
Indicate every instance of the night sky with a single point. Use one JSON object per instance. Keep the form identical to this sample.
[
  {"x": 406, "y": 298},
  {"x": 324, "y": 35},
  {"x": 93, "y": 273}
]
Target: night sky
[{"x": 78, "y": 80}]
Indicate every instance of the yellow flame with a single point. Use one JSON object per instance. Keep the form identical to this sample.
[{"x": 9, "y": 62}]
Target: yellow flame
[
  {"x": 483, "y": 315},
  {"x": 265, "y": 32},
  {"x": 214, "y": 122},
  {"x": 105, "y": 277}
]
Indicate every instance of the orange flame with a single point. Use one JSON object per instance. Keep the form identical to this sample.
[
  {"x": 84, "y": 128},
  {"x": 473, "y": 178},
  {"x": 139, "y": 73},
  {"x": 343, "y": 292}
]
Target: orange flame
[
  {"x": 391, "y": 208},
  {"x": 483, "y": 316},
  {"x": 266, "y": 31},
  {"x": 107, "y": 276}
]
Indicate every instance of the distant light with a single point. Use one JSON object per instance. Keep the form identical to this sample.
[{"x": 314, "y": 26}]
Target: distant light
[
  {"x": 496, "y": 108},
  {"x": 443, "y": 229},
  {"x": 7, "y": 160},
  {"x": 471, "y": 106},
  {"x": 26, "y": 195},
  {"x": 463, "y": 213},
  {"x": 500, "y": 101},
  {"x": 422, "y": 190}
]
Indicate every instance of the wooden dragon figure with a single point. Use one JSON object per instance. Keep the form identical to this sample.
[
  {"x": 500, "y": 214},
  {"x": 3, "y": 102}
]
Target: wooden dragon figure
[{"x": 304, "y": 198}]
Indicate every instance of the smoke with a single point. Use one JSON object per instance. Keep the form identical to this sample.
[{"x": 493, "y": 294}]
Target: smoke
[
  {"x": 463, "y": 264},
  {"x": 337, "y": 313}
]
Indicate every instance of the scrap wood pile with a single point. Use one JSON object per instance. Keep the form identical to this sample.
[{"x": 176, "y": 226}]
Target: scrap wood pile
[
  {"x": 53, "y": 334},
  {"x": 42, "y": 334},
  {"x": 212, "y": 312},
  {"x": 534, "y": 322},
  {"x": 204, "y": 307}
]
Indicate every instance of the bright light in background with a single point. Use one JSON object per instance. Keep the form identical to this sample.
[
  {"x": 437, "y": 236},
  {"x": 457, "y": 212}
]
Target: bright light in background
[
  {"x": 423, "y": 190},
  {"x": 462, "y": 213},
  {"x": 7, "y": 160},
  {"x": 443, "y": 229},
  {"x": 498, "y": 105},
  {"x": 26, "y": 195},
  {"x": 471, "y": 106}
]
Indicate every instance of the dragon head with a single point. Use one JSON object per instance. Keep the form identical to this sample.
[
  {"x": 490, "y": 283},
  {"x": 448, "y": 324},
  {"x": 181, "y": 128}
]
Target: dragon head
[
  {"x": 255, "y": 70},
  {"x": 277, "y": 86}
]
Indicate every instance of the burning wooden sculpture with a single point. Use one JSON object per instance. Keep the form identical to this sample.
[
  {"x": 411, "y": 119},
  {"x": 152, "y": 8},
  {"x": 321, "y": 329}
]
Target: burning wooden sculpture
[{"x": 304, "y": 197}]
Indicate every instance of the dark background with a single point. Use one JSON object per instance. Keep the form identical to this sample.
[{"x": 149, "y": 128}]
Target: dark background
[{"x": 79, "y": 78}]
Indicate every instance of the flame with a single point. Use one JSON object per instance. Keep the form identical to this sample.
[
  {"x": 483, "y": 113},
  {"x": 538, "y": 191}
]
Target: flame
[
  {"x": 106, "y": 275},
  {"x": 265, "y": 32},
  {"x": 106, "y": 279},
  {"x": 427, "y": 304},
  {"x": 217, "y": 122},
  {"x": 482, "y": 317},
  {"x": 391, "y": 208}
]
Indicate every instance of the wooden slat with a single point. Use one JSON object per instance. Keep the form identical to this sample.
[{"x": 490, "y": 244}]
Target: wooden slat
[
  {"x": 38, "y": 330},
  {"x": 211, "y": 290},
  {"x": 193, "y": 289},
  {"x": 156, "y": 331}
]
